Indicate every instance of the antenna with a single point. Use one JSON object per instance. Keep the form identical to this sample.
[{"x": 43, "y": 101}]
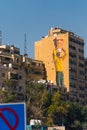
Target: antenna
[
  {"x": 25, "y": 48},
  {"x": 0, "y": 38}
]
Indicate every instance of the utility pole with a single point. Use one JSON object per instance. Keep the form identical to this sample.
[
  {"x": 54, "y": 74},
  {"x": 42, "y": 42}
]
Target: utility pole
[
  {"x": 25, "y": 47},
  {"x": 25, "y": 54},
  {"x": 0, "y": 38}
]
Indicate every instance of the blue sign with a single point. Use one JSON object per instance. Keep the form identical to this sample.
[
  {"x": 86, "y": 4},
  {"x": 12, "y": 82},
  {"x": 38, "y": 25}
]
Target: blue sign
[{"x": 12, "y": 116}]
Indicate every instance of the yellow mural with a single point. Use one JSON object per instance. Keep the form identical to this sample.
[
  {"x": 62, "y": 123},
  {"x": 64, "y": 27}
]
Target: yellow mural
[{"x": 59, "y": 54}]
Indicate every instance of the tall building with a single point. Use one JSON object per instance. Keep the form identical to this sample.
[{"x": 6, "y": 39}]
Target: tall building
[
  {"x": 86, "y": 80},
  {"x": 73, "y": 65}
]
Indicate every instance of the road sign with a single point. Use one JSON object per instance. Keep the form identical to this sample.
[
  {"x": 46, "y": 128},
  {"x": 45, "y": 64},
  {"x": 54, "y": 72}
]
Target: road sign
[{"x": 12, "y": 116}]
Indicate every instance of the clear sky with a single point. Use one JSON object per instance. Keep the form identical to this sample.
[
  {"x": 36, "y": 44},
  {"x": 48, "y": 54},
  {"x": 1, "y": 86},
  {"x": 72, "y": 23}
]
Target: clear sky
[{"x": 36, "y": 17}]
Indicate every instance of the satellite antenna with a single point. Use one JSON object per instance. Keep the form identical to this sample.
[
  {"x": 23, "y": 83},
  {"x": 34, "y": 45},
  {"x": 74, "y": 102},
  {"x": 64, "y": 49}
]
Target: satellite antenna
[{"x": 0, "y": 38}]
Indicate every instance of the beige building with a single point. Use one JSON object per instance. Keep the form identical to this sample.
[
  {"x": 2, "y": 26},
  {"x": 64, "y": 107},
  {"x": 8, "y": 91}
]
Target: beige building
[
  {"x": 73, "y": 65},
  {"x": 17, "y": 70}
]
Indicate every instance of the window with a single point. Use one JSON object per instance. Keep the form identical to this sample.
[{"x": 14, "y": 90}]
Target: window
[
  {"x": 14, "y": 76},
  {"x": 20, "y": 77},
  {"x": 3, "y": 74}
]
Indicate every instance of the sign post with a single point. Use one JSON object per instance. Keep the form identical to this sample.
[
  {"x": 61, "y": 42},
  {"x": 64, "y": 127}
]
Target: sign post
[{"x": 12, "y": 116}]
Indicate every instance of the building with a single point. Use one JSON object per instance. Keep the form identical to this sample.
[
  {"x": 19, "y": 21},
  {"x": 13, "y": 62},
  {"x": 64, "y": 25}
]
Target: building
[
  {"x": 17, "y": 70},
  {"x": 35, "y": 69},
  {"x": 86, "y": 80},
  {"x": 73, "y": 65}
]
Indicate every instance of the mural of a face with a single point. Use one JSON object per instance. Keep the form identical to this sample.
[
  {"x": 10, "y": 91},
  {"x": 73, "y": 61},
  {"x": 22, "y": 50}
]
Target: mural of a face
[{"x": 59, "y": 42}]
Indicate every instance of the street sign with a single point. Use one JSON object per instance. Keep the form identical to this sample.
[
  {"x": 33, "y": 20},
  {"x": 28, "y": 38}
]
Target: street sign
[{"x": 12, "y": 116}]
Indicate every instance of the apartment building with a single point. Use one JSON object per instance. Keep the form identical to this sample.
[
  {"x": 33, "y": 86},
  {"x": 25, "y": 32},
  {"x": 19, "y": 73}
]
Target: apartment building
[
  {"x": 35, "y": 69},
  {"x": 86, "y": 80},
  {"x": 17, "y": 70},
  {"x": 73, "y": 65}
]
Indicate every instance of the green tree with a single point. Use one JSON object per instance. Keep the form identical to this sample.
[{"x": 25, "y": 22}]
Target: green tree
[
  {"x": 74, "y": 116},
  {"x": 36, "y": 95},
  {"x": 84, "y": 113},
  {"x": 57, "y": 110},
  {"x": 76, "y": 125},
  {"x": 7, "y": 96}
]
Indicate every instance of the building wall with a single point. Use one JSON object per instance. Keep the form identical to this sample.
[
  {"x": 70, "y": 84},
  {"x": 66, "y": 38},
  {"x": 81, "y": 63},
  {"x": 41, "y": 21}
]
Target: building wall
[
  {"x": 16, "y": 70},
  {"x": 56, "y": 128},
  {"x": 86, "y": 80},
  {"x": 44, "y": 51},
  {"x": 77, "y": 68},
  {"x": 74, "y": 69}
]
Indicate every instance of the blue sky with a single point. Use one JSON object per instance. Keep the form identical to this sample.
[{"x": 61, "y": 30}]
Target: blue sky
[{"x": 36, "y": 17}]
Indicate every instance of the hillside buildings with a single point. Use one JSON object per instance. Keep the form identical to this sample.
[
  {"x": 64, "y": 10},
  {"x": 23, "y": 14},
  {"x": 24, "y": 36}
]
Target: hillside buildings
[
  {"x": 17, "y": 70},
  {"x": 74, "y": 64}
]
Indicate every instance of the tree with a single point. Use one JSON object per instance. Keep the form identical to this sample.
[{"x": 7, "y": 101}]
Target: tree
[
  {"x": 58, "y": 109},
  {"x": 84, "y": 114},
  {"x": 7, "y": 96},
  {"x": 74, "y": 116},
  {"x": 36, "y": 95},
  {"x": 76, "y": 125}
]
